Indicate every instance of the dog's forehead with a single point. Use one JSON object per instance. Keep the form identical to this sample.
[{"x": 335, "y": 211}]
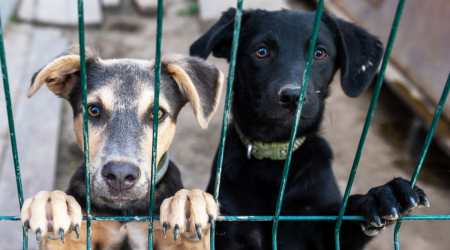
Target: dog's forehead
[
  {"x": 283, "y": 18},
  {"x": 123, "y": 74},
  {"x": 125, "y": 78},
  {"x": 285, "y": 26}
]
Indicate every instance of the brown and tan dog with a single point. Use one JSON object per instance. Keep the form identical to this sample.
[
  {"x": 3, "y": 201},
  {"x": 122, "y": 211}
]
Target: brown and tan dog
[{"x": 120, "y": 106}]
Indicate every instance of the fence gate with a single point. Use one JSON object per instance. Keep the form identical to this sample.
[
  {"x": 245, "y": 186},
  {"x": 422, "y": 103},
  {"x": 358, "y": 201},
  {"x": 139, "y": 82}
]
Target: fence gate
[{"x": 276, "y": 218}]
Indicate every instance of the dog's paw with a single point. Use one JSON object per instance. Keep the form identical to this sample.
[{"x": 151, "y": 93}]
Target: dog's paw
[
  {"x": 188, "y": 211},
  {"x": 386, "y": 204},
  {"x": 51, "y": 212}
]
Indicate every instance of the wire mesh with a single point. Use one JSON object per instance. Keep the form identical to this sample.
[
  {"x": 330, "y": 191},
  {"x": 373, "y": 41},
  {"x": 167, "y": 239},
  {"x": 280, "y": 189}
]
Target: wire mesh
[
  {"x": 85, "y": 121},
  {"x": 12, "y": 131},
  {"x": 424, "y": 151},
  {"x": 373, "y": 103}
]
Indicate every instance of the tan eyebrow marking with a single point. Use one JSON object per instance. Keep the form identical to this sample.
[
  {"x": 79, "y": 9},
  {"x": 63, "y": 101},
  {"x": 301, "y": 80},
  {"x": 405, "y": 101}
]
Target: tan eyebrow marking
[
  {"x": 146, "y": 100},
  {"x": 105, "y": 95}
]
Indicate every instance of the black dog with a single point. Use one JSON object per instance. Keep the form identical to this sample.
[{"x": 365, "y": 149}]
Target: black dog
[{"x": 270, "y": 63}]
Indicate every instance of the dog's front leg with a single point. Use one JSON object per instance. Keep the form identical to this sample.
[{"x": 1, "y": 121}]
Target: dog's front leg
[
  {"x": 189, "y": 215},
  {"x": 50, "y": 215}
]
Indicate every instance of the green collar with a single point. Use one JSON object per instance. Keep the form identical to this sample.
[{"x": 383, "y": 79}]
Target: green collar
[
  {"x": 162, "y": 167},
  {"x": 274, "y": 150}
]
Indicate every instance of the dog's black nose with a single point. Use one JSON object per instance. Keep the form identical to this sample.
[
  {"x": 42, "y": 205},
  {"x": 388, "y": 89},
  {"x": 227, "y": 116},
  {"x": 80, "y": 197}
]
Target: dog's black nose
[
  {"x": 120, "y": 176},
  {"x": 288, "y": 98}
]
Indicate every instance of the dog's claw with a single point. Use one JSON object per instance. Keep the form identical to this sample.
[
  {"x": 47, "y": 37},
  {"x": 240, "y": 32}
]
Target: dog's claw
[
  {"x": 413, "y": 202},
  {"x": 25, "y": 228},
  {"x": 377, "y": 222},
  {"x": 211, "y": 220},
  {"x": 77, "y": 230},
  {"x": 175, "y": 232},
  {"x": 164, "y": 229},
  {"x": 199, "y": 232},
  {"x": 61, "y": 234},
  {"x": 392, "y": 216},
  {"x": 38, "y": 235},
  {"x": 394, "y": 213},
  {"x": 363, "y": 228},
  {"x": 426, "y": 203},
  {"x": 372, "y": 232}
]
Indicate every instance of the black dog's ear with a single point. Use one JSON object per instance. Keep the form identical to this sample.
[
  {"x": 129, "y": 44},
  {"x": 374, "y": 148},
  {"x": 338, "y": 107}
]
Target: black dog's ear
[
  {"x": 61, "y": 74},
  {"x": 200, "y": 82},
  {"x": 360, "y": 54},
  {"x": 219, "y": 37}
]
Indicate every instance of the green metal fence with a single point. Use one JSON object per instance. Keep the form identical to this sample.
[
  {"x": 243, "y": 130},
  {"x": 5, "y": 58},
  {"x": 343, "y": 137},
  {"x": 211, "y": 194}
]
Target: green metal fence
[{"x": 276, "y": 218}]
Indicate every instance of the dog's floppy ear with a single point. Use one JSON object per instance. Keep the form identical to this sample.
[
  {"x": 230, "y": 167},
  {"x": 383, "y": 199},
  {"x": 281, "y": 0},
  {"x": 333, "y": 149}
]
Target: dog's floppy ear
[
  {"x": 61, "y": 74},
  {"x": 219, "y": 37},
  {"x": 199, "y": 81},
  {"x": 360, "y": 54}
]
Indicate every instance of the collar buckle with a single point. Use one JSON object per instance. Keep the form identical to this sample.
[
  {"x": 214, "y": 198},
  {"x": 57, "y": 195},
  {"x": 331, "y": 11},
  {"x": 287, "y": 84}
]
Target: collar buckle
[{"x": 249, "y": 150}]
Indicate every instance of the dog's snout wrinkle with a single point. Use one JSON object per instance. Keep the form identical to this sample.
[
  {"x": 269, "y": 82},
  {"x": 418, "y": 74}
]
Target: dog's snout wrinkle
[{"x": 120, "y": 176}]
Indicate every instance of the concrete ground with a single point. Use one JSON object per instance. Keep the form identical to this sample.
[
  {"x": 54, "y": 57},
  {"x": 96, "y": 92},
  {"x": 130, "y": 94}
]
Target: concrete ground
[{"x": 385, "y": 156}]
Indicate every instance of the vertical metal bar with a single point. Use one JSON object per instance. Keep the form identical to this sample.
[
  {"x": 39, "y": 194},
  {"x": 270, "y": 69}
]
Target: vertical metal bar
[
  {"x": 424, "y": 151},
  {"x": 155, "y": 120},
  {"x": 85, "y": 121},
  {"x": 234, "y": 48},
  {"x": 373, "y": 103},
  {"x": 312, "y": 45},
  {"x": 12, "y": 132},
  {"x": 434, "y": 123}
]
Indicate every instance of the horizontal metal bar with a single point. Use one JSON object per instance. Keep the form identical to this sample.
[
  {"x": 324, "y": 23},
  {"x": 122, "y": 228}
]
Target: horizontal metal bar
[
  {"x": 256, "y": 218},
  {"x": 427, "y": 217},
  {"x": 136, "y": 218},
  {"x": 9, "y": 218},
  {"x": 323, "y": 218},
  {"x": 285, "y": 218}
]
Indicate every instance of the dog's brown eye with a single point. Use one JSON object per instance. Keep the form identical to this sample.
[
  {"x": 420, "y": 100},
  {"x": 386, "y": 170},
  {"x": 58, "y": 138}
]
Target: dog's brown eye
[
  {"x": 93, "y": 111},
  {"x": 160, "y": 114},
  {"x": 261, "y": 52},
  {"x": 319, "y": 54}
]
